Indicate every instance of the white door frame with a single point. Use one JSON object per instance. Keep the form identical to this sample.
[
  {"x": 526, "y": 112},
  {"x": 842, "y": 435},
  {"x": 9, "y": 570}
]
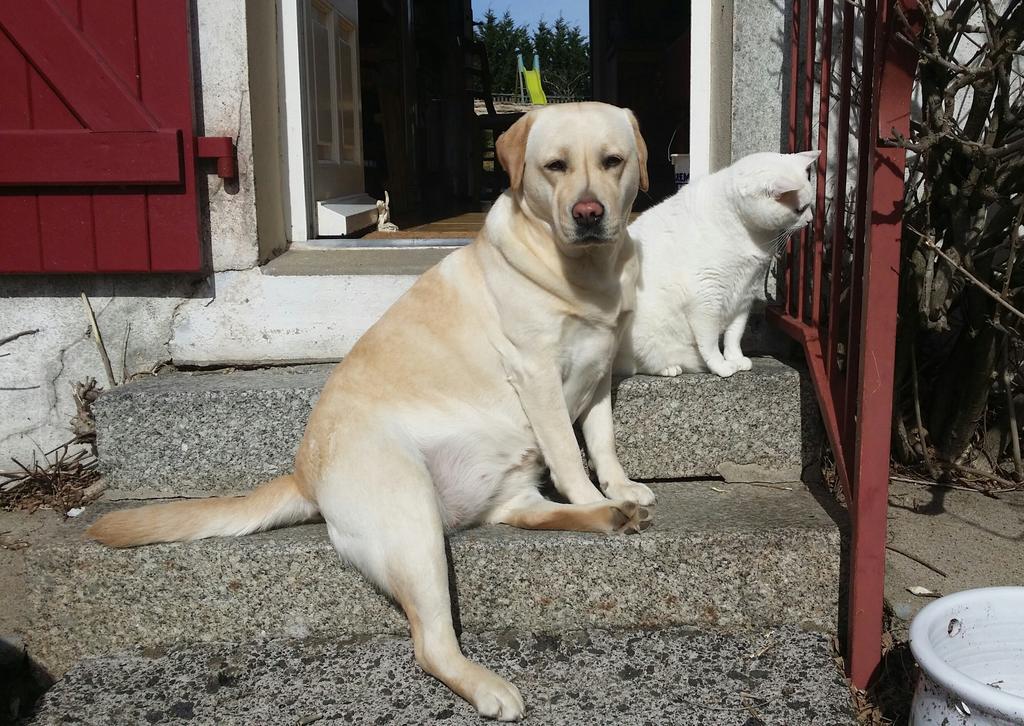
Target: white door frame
[
  {"x": 293, "y": 114},
  {"x": 711, "y": 26}
]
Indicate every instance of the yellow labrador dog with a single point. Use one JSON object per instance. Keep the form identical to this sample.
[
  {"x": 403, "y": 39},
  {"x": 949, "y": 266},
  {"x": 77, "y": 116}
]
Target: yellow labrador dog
[{"x": 445, "y": 412}]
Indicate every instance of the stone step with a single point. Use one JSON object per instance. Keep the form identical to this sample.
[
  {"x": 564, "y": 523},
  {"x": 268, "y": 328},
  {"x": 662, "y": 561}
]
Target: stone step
[
  {"x": 728, "y": 555},
  {"x": 187, "y": 434},
  {"x": 673, "y": 676}
]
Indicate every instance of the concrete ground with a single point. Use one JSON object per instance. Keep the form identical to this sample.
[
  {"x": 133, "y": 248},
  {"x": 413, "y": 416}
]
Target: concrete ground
[
  {"x": 976, "y": 540},
  {"x": 18, "y": 531},
  {"x": 20, "y": 681},
  {"x": 673, "y": 676}
]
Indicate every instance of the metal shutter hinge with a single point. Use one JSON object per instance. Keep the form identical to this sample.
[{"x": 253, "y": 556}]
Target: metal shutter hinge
[{"x": 221, "y": 148}]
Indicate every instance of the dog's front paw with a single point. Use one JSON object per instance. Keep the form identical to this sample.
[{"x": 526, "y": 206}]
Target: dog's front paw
[
  {"x": 630, "y": 517},
  {"x": 671, "y": 371},
  {"x": 496, "y": 698},
  {"x": 630, "y": 491}
]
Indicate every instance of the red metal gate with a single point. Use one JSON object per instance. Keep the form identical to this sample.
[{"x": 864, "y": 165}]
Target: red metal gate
[
  {"x": 840, "y": 281},
  {"x": 97, "y": 154}
]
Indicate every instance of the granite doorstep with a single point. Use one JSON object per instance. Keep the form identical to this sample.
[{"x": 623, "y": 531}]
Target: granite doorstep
[
  {"x": 725, "y": 555},
  {"x": 191, "y": 434},
  {"x": 205, "y": 432},
  {"x": 631, "y": 677},
  {"x": 694, "y": 423}
]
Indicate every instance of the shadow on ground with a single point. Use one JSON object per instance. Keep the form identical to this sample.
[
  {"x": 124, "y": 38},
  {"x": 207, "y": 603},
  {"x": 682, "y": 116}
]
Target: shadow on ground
[{"x": 22, "y": 681}]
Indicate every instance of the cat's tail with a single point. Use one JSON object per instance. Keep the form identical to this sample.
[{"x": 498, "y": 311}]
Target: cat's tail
[{"x": 276, "y": 504}]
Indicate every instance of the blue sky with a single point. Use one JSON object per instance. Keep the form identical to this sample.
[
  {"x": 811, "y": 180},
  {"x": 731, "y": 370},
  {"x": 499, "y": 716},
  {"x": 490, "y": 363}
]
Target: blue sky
[{"x": 528, "y": 12}]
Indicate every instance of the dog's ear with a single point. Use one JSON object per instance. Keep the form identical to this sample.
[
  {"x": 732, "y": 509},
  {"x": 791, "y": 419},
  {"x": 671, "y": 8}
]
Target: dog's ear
[
  {"x": 641, "y": 150},
  {"x": 511, "y": 149}
]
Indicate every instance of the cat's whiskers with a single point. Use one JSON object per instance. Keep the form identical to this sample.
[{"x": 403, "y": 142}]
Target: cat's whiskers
[
  {"x": 776, "y": 245},
  {"x": 779, "y": 242}
]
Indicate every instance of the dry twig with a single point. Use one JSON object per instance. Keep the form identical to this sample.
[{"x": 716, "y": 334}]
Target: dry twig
[
  {"x": 124, "y": 351},
  {"x": 916, "y": 559},
  {"x": 939, "y": 484},
  {"x": 83, "y": 423},
  {"x": 966, "y": 273},
  {"x": 1008, "y": 486},
  {"x": 22, "y": 334},
  {"x": 932, "y": 471},
  {"x": 98, "y": 339}
]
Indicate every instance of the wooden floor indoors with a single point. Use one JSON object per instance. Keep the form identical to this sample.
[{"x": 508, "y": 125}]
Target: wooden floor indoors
[
  {"x": 455, "y": 227},
  {"x": 459, "y": 226}
]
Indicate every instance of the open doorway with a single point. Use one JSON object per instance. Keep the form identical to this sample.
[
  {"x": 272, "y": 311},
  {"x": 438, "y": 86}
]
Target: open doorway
[
  {"x": 405, "y": 99},
  {"x": 640, "y": 55},
  {"x": 442, "y": 79}
]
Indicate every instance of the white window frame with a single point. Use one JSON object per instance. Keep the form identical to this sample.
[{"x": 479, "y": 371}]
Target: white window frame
[{"x": 343, "y": 215}]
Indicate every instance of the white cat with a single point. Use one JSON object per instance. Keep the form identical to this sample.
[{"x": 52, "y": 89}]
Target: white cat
[{"x": 704, "y": 252}]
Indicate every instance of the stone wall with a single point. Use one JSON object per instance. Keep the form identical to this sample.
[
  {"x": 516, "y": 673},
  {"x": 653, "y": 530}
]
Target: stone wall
[{"x": 760, "y": 37}]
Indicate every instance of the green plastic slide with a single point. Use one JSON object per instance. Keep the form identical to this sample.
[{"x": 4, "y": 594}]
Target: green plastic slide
[{"x": 532, "y": 81}]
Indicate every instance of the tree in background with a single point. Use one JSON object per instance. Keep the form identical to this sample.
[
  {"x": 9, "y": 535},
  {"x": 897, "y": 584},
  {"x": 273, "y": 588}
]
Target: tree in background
[
  {"x": 563, "y": 50},
  {"x": 960, "y": 349},
  {"x": 564, "y": 58}
]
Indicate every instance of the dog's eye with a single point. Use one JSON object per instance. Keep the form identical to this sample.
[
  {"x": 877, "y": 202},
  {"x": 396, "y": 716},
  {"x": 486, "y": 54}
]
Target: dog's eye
[
  {"x": 801, "y": 210},
  {"x": 611, "y": 162},
  {"x": 556, "y": 165}
]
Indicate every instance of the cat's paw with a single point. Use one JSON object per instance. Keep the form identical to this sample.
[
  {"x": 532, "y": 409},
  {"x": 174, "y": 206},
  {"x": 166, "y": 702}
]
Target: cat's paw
[
  {"x": 630, "y": 491},
  {"x": 739, "y": 360},
  {"x": 671, "y": 371},
  {"x": 724, "y": 369}
]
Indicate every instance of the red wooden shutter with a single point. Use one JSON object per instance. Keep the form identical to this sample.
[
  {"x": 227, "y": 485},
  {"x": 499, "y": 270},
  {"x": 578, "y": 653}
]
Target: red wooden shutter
[{"x": 97, "y": 160}]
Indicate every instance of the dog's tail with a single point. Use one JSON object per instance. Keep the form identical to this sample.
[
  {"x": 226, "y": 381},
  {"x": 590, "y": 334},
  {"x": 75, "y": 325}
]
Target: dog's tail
[{"x": 275, "y": 504}]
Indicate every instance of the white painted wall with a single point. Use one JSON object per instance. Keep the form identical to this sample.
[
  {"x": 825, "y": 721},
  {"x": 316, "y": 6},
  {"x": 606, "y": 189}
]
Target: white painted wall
[
  {"x": 281, "y": 319},
  {"x": 294, "y": 186},
  {"x": 62, "y": 352}
]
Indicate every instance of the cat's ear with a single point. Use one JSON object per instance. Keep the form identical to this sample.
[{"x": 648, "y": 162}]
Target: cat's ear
[
  {"x": 784, "y": 183},
  {"x": 510, "y": 149},
  {"x": 641, "y": 149},
  {"x": 808, "y": 157}
]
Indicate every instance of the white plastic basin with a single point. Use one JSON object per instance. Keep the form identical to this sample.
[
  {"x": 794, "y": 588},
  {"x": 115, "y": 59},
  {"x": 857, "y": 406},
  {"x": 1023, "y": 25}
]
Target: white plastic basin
[{"x": 970, "y": 647}]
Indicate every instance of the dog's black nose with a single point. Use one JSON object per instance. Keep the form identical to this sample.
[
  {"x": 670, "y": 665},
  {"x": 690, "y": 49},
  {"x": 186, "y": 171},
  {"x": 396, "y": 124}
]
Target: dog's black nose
[{"x": 587, "y": 212}]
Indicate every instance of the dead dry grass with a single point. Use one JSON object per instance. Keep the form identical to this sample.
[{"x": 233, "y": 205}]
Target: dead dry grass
[
  {"x": 887, "y": 701},
  {"x": 61, "y": 479},
  {"x": 65, "y": 477}
]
